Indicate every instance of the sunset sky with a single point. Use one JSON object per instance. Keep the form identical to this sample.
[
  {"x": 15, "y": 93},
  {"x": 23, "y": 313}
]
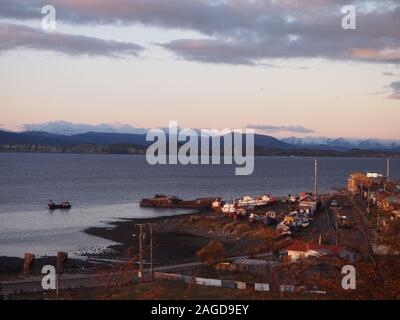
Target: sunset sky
[{"x": 285, "y": 67}]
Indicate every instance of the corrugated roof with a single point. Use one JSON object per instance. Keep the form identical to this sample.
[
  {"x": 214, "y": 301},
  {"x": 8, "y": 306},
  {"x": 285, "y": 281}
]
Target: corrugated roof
[{"x": 306, "y": 246}]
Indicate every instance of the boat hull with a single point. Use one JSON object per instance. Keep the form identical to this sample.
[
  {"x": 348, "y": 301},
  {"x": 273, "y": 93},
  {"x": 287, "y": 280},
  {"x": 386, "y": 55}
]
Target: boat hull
[
  {"x": 59, "y": 207},
  {"x": 177, "y": 203}
]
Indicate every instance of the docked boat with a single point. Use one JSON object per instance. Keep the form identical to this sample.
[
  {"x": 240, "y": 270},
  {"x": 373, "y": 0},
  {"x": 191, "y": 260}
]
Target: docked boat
[
  {"x": 163, "y": 201},
  {"x": 266, "y": 200},
  {"x": 249, "y": 202},
  {"x": 62, "y": 206}
]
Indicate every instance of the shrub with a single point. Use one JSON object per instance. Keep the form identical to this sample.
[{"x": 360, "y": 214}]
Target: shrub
[{"x": 212, "y": 252}]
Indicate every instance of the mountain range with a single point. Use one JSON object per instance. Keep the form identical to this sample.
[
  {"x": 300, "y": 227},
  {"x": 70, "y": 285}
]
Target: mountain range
[
  {"x": 67, "y": 133},
  {"x": 343, "y": 143},
  {"x": 292, "y": 145},
  {"x": 104, "y": 138}
]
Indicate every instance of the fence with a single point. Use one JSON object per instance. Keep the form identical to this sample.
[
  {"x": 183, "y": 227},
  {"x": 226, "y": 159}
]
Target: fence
[{"x": 229, "y": 284}]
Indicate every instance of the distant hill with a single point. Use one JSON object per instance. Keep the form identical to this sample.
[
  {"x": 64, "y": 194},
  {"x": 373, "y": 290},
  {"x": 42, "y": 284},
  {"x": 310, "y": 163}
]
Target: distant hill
[{"x": 44, "y": 138}]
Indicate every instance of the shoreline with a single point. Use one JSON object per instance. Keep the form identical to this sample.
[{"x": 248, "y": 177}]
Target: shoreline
[
  {"x": 175, "y": 241},
  {"x": 120, "y": 232},
  {"x": 267, "y": 153}
]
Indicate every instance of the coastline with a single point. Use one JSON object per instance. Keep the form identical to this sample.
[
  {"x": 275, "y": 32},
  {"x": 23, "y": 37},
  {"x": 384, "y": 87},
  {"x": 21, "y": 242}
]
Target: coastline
[
  {"x": 141, "y": 151},
  {"x": 176, "y": 241}
]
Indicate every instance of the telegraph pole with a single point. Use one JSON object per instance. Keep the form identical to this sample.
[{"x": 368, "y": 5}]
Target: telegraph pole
[
  {"x": 143, "y": 248},
  {"x": 141, "y": 252},
  {"x": 388, "y": 169},
  {"x": 151, "y": 252},
  {"x": 315, "y": 178},
  {"x": 336, "y": 226}
]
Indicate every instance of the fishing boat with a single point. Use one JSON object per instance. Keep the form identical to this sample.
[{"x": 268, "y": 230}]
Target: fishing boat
[
  {"x": 250, "y": 202},
  {"x": 62, "y": 206},
  {"x": 247, "y": 201}
]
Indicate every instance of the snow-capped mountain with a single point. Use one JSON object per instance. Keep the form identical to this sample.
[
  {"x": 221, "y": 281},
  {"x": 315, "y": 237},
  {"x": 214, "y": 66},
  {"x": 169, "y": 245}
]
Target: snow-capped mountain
[
  {"x": 344, "y": 143},
  {"x": 69, "y": 129}
]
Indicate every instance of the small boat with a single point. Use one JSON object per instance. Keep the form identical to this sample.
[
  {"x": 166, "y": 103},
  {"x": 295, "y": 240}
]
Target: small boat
[{"x": 62, "y": 206}]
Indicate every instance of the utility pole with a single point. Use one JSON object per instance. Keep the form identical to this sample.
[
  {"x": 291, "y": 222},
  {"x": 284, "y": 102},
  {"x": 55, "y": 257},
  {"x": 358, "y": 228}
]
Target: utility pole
[
  {"x": 315, "y": 178},
  {"x": 141, "y": 252},
  {"x": 336, "y": 226},
  {"x": 151, "y": 252},
  {"x": 143, "y": 248},
  {"x": 388, "y": 169}
]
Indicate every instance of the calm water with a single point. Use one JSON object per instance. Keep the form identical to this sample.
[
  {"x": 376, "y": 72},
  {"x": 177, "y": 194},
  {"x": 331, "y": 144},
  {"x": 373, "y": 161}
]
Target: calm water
[{"x": 107, "y": 187}]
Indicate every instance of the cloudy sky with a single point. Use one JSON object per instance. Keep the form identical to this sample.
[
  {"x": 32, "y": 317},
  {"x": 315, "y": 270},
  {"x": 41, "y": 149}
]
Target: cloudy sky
[{"x": 283, "y": 67}]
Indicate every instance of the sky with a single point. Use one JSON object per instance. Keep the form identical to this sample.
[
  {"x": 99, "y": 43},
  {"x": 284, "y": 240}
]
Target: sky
[{"x": 282, "y": 67}]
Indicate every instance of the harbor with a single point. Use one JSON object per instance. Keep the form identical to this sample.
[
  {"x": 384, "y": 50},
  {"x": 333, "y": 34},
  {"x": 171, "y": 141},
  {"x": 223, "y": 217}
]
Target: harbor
[{"x": 261, "y": 240}]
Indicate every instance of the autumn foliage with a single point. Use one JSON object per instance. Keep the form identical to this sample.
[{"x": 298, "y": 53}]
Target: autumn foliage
[{"x": 212, "y": 252}]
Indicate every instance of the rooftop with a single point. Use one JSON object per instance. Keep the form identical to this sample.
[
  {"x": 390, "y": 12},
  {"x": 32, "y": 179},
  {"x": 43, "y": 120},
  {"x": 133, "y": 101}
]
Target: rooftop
[{"x": 302, "y": 246}]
